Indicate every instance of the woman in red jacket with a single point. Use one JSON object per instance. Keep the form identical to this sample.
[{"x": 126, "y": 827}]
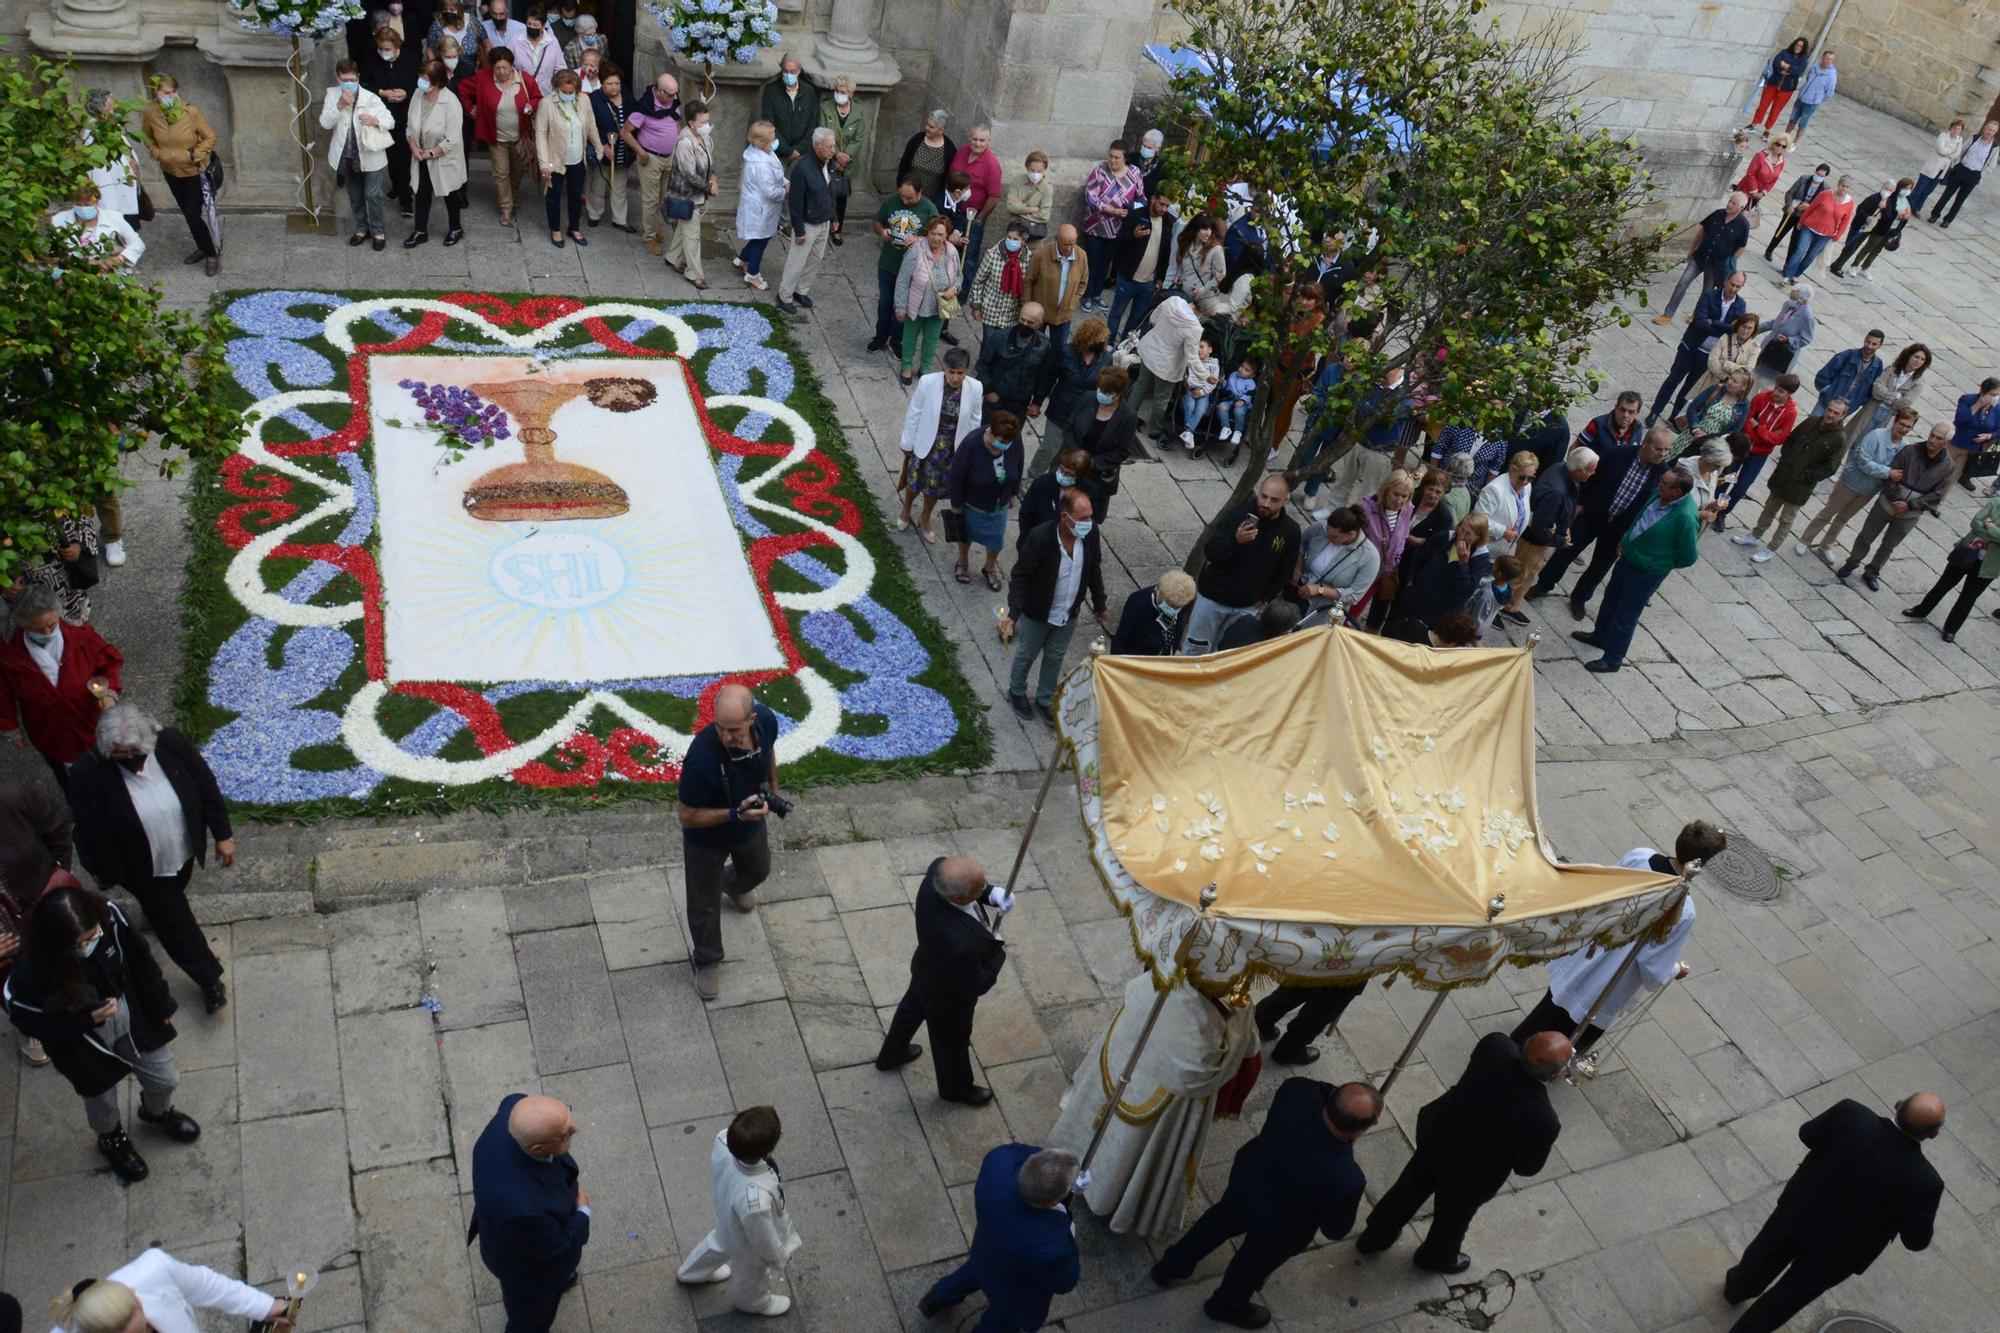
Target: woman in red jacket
[
  {"x": 1770, "y": 418},
  {"x": 1765, "y": 167},
  {"x": 55, "y": 678},
  {"x": 501, "y": 102}
]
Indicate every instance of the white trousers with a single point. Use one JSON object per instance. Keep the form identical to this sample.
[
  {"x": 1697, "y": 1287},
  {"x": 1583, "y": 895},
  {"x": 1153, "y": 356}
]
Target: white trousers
[{"x": 750, "y": 1278}]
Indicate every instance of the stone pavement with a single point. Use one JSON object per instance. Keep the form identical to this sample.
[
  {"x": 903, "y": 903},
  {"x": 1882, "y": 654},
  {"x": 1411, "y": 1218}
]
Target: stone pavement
[{"x": 339, "y": 1109}]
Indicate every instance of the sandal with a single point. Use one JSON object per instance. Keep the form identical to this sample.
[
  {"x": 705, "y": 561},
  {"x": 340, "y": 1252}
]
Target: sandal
[
  {"x": 962, "y": 574},
  {"x": 992, "y": 579}
]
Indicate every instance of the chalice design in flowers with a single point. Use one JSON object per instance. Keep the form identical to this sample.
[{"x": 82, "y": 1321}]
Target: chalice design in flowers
[{"x": 544, "y": 488}]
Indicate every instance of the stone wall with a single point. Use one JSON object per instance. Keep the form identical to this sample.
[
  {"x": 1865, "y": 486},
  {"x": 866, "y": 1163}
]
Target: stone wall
[{"x": 1923, "y": 61}]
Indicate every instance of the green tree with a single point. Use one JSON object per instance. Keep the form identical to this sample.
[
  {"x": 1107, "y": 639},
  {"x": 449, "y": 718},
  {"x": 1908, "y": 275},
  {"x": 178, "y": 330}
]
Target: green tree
[
  {"x": 88, "y": 358},
  {"x": 1462, "y": 170}
]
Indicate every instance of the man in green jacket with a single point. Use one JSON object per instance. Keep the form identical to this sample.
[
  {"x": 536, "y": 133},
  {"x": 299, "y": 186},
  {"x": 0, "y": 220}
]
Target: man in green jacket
[
  {"x": 791, "y": 103},
  {"x": 1811, "y": 454},
  {"x": 1660, "y": 541}
]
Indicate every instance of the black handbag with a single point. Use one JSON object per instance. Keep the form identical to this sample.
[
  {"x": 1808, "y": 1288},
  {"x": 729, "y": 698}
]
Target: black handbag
[
  {"x": 145, "y": 205},
  {"x": 678, "y": 209},
  {"x": 840, "y": 187},
  {"x": 214, "y": 173},
  {"x": 954, "y": 527}
]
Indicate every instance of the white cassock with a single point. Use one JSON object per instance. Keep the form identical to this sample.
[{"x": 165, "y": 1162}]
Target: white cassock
[
  {"x": 1144, "y": 1171},
  {"x": 1576, "y": 981},
  {"x": 753, "y": 1235}
]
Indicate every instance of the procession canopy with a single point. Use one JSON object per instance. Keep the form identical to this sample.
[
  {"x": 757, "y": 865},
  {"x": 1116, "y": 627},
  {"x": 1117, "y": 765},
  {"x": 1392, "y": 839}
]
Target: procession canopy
[{"x": 1373, "y": 801}]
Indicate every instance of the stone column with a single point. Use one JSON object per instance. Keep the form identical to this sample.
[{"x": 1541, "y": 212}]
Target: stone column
[
  {"x": 850, "y": 35},
  {"x": 94, "y": 14}
]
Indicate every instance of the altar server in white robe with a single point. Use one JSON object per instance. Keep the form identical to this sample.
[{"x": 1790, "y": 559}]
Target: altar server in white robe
[
  {"x": 753, "y": 1235},
  {"x": 1577, "y": 980},
  {"x": 1143, "y": 1174}
]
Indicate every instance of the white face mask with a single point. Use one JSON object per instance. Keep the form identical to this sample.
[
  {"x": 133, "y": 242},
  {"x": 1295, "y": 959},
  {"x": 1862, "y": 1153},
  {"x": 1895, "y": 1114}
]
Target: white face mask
[
  {"x": 840, "y": 99},
  {"x": 1035, "y": 177}
]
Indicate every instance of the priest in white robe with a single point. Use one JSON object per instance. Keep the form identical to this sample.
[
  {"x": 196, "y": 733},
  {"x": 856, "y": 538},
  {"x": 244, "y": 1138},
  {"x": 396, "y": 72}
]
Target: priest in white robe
[
  {"x": 753, "y": 1235},
  {"x": 1144, "y": 1171}
]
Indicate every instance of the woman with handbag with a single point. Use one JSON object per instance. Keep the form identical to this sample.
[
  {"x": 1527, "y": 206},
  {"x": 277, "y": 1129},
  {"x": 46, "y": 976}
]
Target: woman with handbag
[
  {"x": 1790, "y": 332},
  {"x": 984, "y": 479},
  {"x": 502, "y": 103},
  {"x": 948, "y": 404},
  {"x": 1898, "y": 384},
  {"x": 1199, "y": 265},
  {"x": 183, "y": 143},
  {"x": 926, "y": 295},
  {"x": 436, "y": 131},
  {"x": 566, "y": 147},
  {"x": 1733, "y": 351},
  {"x": 87, "y": 988},
  {"x": 358, "y": 150},
  {"x": 691, "y": 184},
  {"x": 1973, "y": 564}
]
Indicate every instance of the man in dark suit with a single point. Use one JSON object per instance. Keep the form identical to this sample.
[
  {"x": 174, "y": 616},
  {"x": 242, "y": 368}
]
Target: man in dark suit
[
  {"x": 1864, "y": 1182},
  {"x": 958, "y": 958},
  {"x": 529, "y": 1215},
  {"x": 1059, "y": 562},
  {"x": 1024, "y": 1244},
  {"x": 1495, "y": 1121},
  {"x": 1606, "y": 506},
  {"x": 1298, "y": 1176}
]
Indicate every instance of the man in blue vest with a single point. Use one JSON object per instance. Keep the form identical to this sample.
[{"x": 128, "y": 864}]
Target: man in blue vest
[{"x": 529, "y": 1215}]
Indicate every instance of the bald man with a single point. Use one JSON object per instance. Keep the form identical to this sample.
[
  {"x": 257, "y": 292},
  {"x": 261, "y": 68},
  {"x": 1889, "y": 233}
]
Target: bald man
[
  {"x": 730, "y": 767},
  {"x": 530, "y": 1216},
  {"x": 1494, "y": 1122},
  {"x": 958, "y": 958},
  {"x": 1864, "y": 1182}
]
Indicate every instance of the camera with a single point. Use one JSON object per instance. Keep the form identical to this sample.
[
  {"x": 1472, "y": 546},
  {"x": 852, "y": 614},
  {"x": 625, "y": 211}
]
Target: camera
[{"x": 776, "y": 804}]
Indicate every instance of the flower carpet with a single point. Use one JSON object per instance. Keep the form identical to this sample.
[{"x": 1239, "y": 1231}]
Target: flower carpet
[{"x": 478, "y": 550}]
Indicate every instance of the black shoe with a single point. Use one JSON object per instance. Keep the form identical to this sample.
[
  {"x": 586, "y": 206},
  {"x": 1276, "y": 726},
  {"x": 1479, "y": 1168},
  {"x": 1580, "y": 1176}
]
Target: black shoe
[
  {"x": 949, "y": 340},
  {"x": 1047, "y": 712},
  {"x": 198, "y": 256},
  {"x": 1267, "y": 1032},
  {"x": 1022, "y": 708},
  {"x": 1518, "y": 617},
  {"x": 929, "y": 1304},
  {"x": 1457, "y": 1265},
  {"x": 179, "y": 1125},
  {"x": 1949, "y": 637},
  {"x": 787, "y": 306},
  {"x": 590, "y": 221},
  {"x": 1370, "y": 1243},
  {"x": 1872, "y": 583},
  {"x": 124, "y": 1158},
  {"x": 409, "y": 209},
  {"x": 1844, "y": 572},
  {"x": 358, "y": 238},
  {"x": 834, "y": 239},
  {"x": 973, "y": 1096},
  {"x": 1577, "y": 610},
  {"x": 1161, "y": 1278},
  {"x": 214, "y": 995},
  {"x": 1965, "y": 483},
  {"x": 889, "y": 1066},
  {"x": 1585, "y": 636},
  {"x": 1915, "y": 612},
  {"x": 1305, "y": 1057},
  {"x": 800, "y": 298},
  {"x": 1247, "y": 1315},
  {"x": 453, "y": 237},
  {"x": 380, "y": 243},
  {"x": 1836, "y": 272},
  {"x": 877, "y": 344},
  {"x": 1601, "y": 667},
  {"x": 1536, "y": 594},
  {"x": 415, "y": 239}
]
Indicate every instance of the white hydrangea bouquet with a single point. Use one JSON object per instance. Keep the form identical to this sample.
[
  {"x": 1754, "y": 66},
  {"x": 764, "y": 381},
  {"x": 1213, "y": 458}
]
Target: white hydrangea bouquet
[
  {"x": 295, "y": 18},
  {"x": 718, "y": 32}
]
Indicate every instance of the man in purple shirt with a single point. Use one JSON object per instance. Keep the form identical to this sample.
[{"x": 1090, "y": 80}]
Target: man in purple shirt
[{"x": 651, "y": 131}]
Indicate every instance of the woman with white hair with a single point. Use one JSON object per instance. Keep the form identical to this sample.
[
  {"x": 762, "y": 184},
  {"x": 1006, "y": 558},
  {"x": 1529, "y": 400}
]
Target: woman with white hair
[
  {"x": 161, "y": 1293},
  {"x": 585, "y": 42},
  {"x": 146, "y": 803},
  {"x": 927, "y": 156},
  {"x": 1788, "y": 333},
  {"x": 1507, "y": 502},
  {"x": 760, "y": 201},
  {"x": 1151, "y": 621},
  {"x": 56, "y": 676},
  {"x": 117, "y": 181}
]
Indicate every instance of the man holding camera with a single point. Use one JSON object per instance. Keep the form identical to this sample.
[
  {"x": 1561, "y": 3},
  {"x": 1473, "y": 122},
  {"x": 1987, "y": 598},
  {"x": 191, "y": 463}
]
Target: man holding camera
[
  {"x": 729, "y": 780},
  {"x": 959, "y": 956}
]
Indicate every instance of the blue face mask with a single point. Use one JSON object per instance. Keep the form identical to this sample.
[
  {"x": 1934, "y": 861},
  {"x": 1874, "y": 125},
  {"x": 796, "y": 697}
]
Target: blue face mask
[
  {"x": 566, "y": 99},
  {"x": 1146, "y": 153},
  {"x": 350, "y": 85},
  {"x": 1013, "y": 243},
  {"x": 88, "y": 947},
  {"x": 1106, "y": 399},
  {"x": 423, "y": 84},
  {"x": 1083, "y": 526},
  {"x": 589, "y": 42},
  {"x": 87, "y": 212},
  {"x": 791, "y": 80},
  {"x": 1064, "y": 479},
  {"x": 39, "y": 640}
]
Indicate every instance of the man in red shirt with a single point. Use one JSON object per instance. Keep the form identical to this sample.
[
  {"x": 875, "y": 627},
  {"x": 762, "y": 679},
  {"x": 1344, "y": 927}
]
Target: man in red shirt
[
  {"x": 976, "y": 160},
  {"x": 1770, "y": 418},
  {"x": 1824, "y": 221}
]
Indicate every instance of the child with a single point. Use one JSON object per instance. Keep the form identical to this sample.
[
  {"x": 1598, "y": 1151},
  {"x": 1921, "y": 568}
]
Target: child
[
  {"x": 1238, "y": 390},
  {"x": 1506, "y": 569},
  {"x": 1202, "y": 374}
]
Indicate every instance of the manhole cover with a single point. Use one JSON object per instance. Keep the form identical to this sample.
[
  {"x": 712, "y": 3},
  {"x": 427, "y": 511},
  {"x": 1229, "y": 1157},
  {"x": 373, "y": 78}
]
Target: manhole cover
[
  {"x": 1743, "y": 870},
  {"x": 1849, "y": 1322}
]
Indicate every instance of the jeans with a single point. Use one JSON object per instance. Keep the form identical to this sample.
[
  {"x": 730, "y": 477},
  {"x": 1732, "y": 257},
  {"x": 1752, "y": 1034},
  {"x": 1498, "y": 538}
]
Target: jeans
[
  {"x": 364, "y": 199},
  {"x": 1955, "y": 571},
  {"x": 1206, "y": 623},
  {"x": 1690, "y": 364},
  {"x": 157, "y": 1077},
  {"x": 1625, "y": 599},
  {"x": 1802, "y": 114},
  {"x": 164, "y": 901},
  {"x": 1235, "y": 415},
  {"x": 1034, "y": 637},
  {"x": 1193, "y": 409},
  {"x": 1131, "y": 300},
  {"x": 1694, "y": 269},
  {"x": 712, "y": 872},
  {"x": 1099, "y": 250},
  {"x": 1925, "y": 184},
  {"x": 885, "y": 306},
  {"x": 920, "y": 338},
  {"x": 566, "y": 185},
  {"x": 1958, "y": 184},
  {"x": 1752, "y": 468},
  {"x": 975, "y": 232},
  {"x": 1805, "y": 251},
  {"x": 752, "y": 254}
]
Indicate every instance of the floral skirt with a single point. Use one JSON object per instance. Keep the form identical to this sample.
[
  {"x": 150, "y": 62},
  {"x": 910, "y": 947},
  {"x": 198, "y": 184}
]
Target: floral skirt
[{"x": 933, "y": 472}]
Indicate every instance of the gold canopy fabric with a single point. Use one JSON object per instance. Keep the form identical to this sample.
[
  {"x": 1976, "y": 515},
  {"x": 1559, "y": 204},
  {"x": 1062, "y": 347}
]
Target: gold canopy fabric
[{"x": 1339, "y": 778}]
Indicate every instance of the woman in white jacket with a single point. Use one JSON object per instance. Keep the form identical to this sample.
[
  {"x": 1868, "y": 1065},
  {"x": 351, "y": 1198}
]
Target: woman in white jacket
[
  {"x": 1950, "y": 146},
  {"x": 1507, "y": 502},
  {"x": 945, "y": 407},
  {"x": 359, "y": 149},
  {"x": 1166, "y": 350},
  {"x": 760, "y": 201},
  {"x": 160, "y": 1293}
]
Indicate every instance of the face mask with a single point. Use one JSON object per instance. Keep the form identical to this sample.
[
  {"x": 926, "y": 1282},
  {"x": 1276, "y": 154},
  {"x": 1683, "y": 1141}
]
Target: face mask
[
  {"x": 1064, "y": 478},
  {"x": 534, "y": 34},
  {"x": 1106, "y": 399},
  {"x": 567, "y": 99},
  {"x": 423, "y": 84},
  {"x": 1013, "y": 242},
  {"x": 386, "y": 52},
  {"x": 87, "y": 212},
  {"x": 1146, "y": 153},
  {"x": 705, "y": 131},
  {"x": 167, "y": 99},
  {"x": 349, "y": 85},
  {"x": 89, "y": 947},
  {"x": 840, "y": 99},
  {"x": 1083, "y": 526},
  {"x": 1035, "y": 177},
  {"x": 40, "y": 640},
  {"x": 451, "y": 63},
  {"x": 131, "y": 763},
  {"x": 791, "y": 80}
]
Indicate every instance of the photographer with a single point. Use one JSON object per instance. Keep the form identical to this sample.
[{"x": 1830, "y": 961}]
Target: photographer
[{"x": 729, "y": 781}]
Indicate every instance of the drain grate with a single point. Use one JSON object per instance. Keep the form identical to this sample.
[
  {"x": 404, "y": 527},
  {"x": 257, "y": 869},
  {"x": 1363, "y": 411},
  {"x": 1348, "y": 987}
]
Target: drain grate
[
  {"x": 1743, "y": 871},
  {"x": 1846, "y": 1321}
]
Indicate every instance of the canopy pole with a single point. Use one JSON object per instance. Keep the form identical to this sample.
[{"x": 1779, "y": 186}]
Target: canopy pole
[
  {"x": 1124, "y": 1080},
  {"x": 1035, "y": 815},
  {"x": 1437, "y": 1003},
  {"x": 1632, "y": 956}
]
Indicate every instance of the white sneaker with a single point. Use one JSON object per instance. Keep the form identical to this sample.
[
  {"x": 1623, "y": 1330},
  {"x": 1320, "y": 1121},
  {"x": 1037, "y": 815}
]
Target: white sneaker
[
  {"x": 1187, "y": 438},
  {"x": 772, "y": 1304},
  {"x": 756, "y": 280},
  {"x": 1236, "y": 437},
  {"x": 1799, "y": 548},
  {"x": 1762, "y": 554},
  {"x": 114, "y": 553},
  {"x": 1319, "y": 512},
  {"x": 1744, "y": 539},
  {"x": 737, "y": 263},
  {"x": 1863, "y": 274}
]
